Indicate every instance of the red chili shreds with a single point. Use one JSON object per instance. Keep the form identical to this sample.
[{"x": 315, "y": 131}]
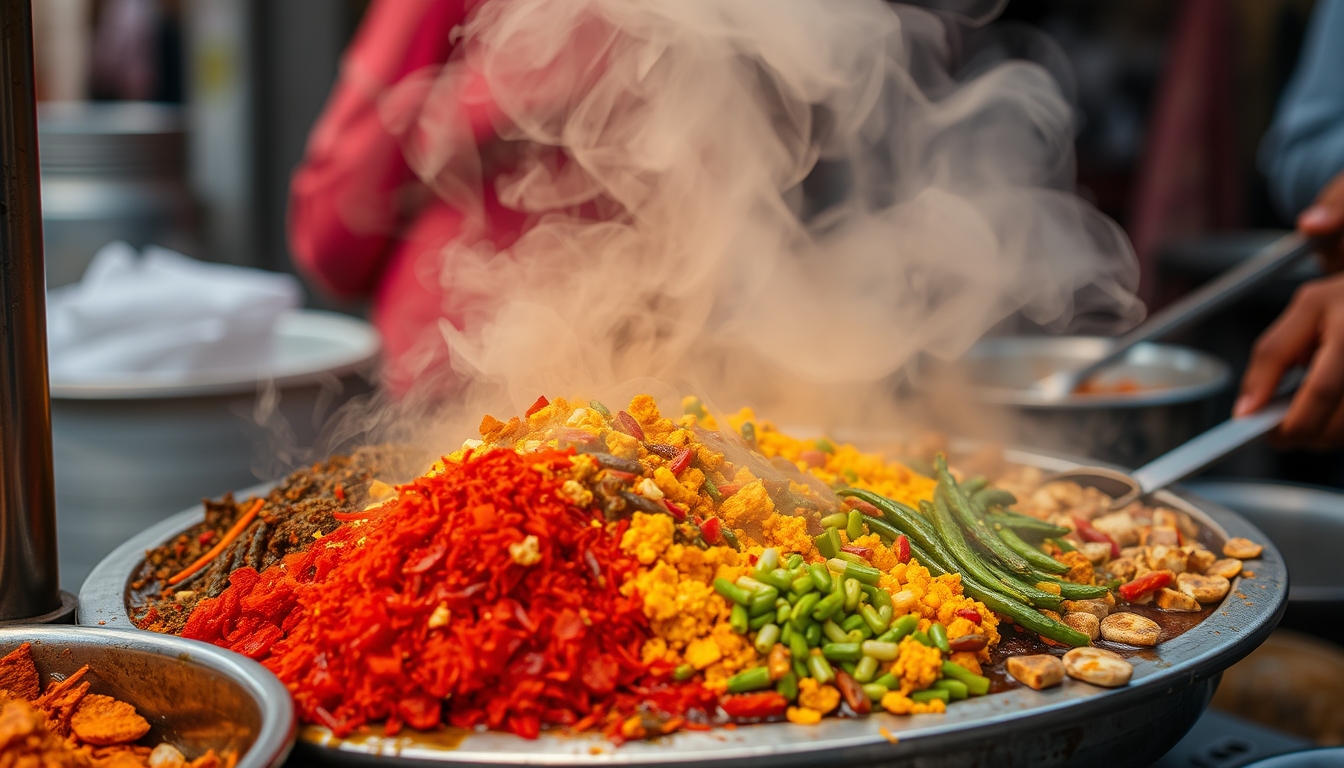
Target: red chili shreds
[{"x": 346, "y": 625}]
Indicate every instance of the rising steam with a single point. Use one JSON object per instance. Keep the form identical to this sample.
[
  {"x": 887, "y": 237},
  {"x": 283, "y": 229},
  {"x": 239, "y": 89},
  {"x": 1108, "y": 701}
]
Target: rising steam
[{"x": 660, "y": 149}]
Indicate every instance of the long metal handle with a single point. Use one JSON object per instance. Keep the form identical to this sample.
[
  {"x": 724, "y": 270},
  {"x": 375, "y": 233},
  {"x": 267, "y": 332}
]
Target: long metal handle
[
  {"x": 29, "y": 578},
  {"x": 1178, "y": 464},
  {"x": 1269, "y": 262}
]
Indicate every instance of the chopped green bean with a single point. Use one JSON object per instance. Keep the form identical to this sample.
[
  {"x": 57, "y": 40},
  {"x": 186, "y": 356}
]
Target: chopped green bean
[
  {"x": 885, "y": 612},
  {"x": 756, "y": 622},
  {"x": 799, "y": 664},
  {"x": 956, "y": 689},
  {"x": 712, "y": 491},
  {"x": 836, "y": 520},
  {"x": 852, "y": 595},
  {"x": 854, "y": 525},
  {"x": 976, "y": 685},
  {"x": 900, "y": 629},
  {"x": 881, "y": 651},
  {"x": 769, "y": 559},
  {"x": 821, "y": 578},
  {"x": 802, "y": 585},
  {"x": 824, "y": 445},
  {"x": 753, "y": 679},
  {"x": 834, "y": 632},
  {"x": 802, "y": 610},
  {"x": 850, "y": 557},
  {"x": 683, "y": 672},
  {"x": 787, "y": 686},
  {"x": 875, "y": 691},
  {"x": 782, "y": 613},
  {"x": 738, "y": 619},
  {"x": 821, "y": 669},
  {"x": 925, "y": 696},
  {"x": 813, "y": 635},
  {"x": 923, "y": 638},
  {"x": 777, "y": 578},
  {"x": 852, "y": 623},
  {"x": 749, "y": 433},
  {"x": 766, "y": 638},
  {"x": 864, "y": 573},
  {"x": 731, "y": 591},
  {"x": 938, "y": 634},
  {"x": 828, "y": 543},
  {"x": 795, "y": 560},
  {"x": 888, "y": 680},
  {"x": 873, "y": 619},
  {"x": 798, "y": 646},
  {"x": 786, "y": 634},
  {"x": 866, "y": 669},
  {"x": 858, "y": 635},
  {"x": 828, "y": 606}
]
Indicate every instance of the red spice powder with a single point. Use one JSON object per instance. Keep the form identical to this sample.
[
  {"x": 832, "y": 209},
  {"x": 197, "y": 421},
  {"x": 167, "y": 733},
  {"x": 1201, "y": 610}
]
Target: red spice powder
[{"x": 346, "y": 625}]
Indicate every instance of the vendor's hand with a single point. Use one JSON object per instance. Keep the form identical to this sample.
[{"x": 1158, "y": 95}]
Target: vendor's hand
[
  {"x": 1310, "y": 330},
  {"x": 1325, "y": 220}
]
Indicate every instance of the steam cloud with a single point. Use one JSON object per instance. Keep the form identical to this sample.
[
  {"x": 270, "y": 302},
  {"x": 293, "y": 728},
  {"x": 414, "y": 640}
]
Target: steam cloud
[{"x": 660, "y": 149}]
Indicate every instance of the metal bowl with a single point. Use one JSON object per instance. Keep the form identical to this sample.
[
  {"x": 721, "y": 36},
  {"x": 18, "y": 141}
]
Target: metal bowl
[
  {"x": 1075, "y": 724},
  {"x": 1178, "y": 395},
  {"x": 195, "y": 696}
]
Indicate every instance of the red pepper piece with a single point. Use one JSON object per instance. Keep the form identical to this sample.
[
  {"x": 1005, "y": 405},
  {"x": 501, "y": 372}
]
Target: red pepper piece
[
  {"x": 206, "y": 537},
  {"x": 970, "y": 643},
  {"x": 677, "y": 511},
  {"x": 750, "y": 706},
  {"x": 728, "y": 489},
  {"x": 969, "y": 614},
  {"x": 338, "y": 492},
  {"x": 541, "y": 402},
  {"x": 712, "y": 530},
  {"x": 1145, "y": 585},
  {"x": 627, "y": 424},
  {"x": 853, "y": 693},
  {"x": 903, "y": 548},
  {"x": 681, "y": 462},
  {"x": 865, "y": 552},
  {"x": 863, "y": 506},
  {"x": 622, "y": 476},
  {"x": 1088, "y": 533}
]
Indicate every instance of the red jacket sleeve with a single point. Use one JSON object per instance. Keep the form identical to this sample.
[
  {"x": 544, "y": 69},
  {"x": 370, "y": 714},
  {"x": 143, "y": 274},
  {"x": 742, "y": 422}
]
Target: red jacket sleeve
[{"x": 347, "y": 199}]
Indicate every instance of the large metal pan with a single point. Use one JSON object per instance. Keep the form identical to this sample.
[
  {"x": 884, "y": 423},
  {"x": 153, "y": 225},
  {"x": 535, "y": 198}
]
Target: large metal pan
[{"x": 1074, "y": 725}]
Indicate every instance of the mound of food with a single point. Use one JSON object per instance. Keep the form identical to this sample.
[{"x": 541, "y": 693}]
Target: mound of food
[{"x": 627, "y": 572}]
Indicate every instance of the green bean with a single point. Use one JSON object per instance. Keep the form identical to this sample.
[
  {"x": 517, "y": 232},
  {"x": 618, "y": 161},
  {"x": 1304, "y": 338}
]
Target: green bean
[
  {"x": 976, "y": 685},
  {"x": 925, "y": 696},
  {"x": 820, "y": 576},
  {"x": 824, "y": 445},
  {"x": 1026, "y": 524},
  {"x": 786, "y": 633},
  {"x": 798, "y": 646},
  {"x": 885, "y": 612},
  {"x": 750, "y": 584},
  {"x": 866, "y": 670},
  {"x": 828, "y": 606},
  {"x": 834, "y": 632},
  {"x": 828, "y": 543},
  {"x": 766, "y": 638},
  {"x": 879, "y": 597},
  {"x": 753, "y": 679},
  {"x": 795, "y": 560},
  {"x": 864, "y": 573},
  {"x": 849, "y": 667},
  {"x": 1036, "y": 596},
  {"x": 712, "y": 491},
  {"x": 898, "y": 518},
  {"x": 965, "y": 513},
  {"x": 875, "y": 692},
  {"x": 731, "y": 591},
  {"x": 799, "y": 665},
  {"x": 938, "y": 634},
  {"x": 922, "y": 638},
  {"x": 888, "y": 680},
  {"x": 749, "y": 433},
  {"x": 873, "y": 619},
  {"x": 852, "y": 595},
  {"x": 802, "y": 610},
  {"x": 852, "y": 623},
  {"x": 738, "y": 619},
  {"x": 802, "y": 585},
  {"x": 882, "y": 651},
  {"x": 782, "y": 613},
  {"x": 1070, "y": 590},
  {"x": 854, "y": 525},
  {"x": 850, "y": 557},
  {"x": 756, "y": 622},
  {"x": 683, "y": 672},
  {"x": 859, "y": 635},
  {"x": 971, "y": 565},
  {"x": 821, "y": 669},
  {"x": 761, "y": 604},
  {"x": 600, "y": 408},
  {"x": 993, "y": 497},
  {"x": 777, "y": 578},
  {"x": 1024, "y": 615},
  {"x": 787, "y": 686},
  {"x": 956, "y": 689},
  {"x": 935, "y": 565},
  {"x": 836, "y": 520},
  {"x": 1063, "y": 544},
  {"x": 813, "y": 635},
  {"x": 842, "y": 651},
  {"x": 899, "y": 630},
  {"x": 1038, "y": 559}
]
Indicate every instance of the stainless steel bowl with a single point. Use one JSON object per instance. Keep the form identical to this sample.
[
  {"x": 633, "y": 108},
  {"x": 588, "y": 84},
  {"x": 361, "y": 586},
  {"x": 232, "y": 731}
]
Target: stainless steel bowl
[
  {"x": 1073, "y": 725},
  {"x": 1177, "y": 397},
  {"x": 195, "y": 696}
]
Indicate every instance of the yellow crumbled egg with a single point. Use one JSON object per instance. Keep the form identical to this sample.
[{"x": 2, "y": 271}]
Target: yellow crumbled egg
[
  {"x": 802, "y": 716},
  {"x": 648, "y": 536},
  {"x": 900, "y": 704},
  {"x": 917, "y": 666},
  {"x": 751, "y": 504},
  {"x": 820, "y": 698}
]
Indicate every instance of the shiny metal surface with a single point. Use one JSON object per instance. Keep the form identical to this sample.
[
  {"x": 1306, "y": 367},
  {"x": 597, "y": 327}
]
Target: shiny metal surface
[
  {"x": 1075, "y": 724},
  {"x": 1268, "y": 263},
  {"x": 1178, "y": 399},
  {"x": 27, "y": 505},
  {"x": 195, "y": 696}
]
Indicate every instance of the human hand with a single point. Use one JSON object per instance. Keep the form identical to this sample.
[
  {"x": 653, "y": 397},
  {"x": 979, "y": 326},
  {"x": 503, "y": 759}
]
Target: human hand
[{"x": 1324, "y": 220}]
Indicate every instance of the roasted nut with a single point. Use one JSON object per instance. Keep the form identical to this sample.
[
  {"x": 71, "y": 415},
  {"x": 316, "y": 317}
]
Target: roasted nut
[
  {"x": 1120, "y": 526},
  {"x": 1097, "y": 552},
  {"x": 1198, "y": 559},
  {"x": 1086, "y": 623},
  {"x": 1164, "y": 535},
  {"x": 1242, "y": 549},
  {"x": 1130, "y": 628},
  {"x": 1171, "y": 600},
  {"x": 1205, "y": 589},
  {"x": 1165, "y": 558},
  {"x": 1122, "y": 568},
  {"x": 1098, "y": 667},
  {"x": 1039, "y": 671},
  {"x": 1097, "y": 608},
  {"x": 1228, "y": 568}
]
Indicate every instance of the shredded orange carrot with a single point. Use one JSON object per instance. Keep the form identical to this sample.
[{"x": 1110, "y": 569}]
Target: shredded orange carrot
[{"x": 223, "y": 544}]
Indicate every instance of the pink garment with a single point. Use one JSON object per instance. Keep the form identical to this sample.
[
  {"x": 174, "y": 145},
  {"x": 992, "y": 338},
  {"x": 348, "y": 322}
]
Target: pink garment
[{"x": 361, "y": 223}]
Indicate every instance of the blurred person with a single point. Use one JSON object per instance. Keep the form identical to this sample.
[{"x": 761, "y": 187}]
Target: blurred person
[{"x": 1303, "y": 156}]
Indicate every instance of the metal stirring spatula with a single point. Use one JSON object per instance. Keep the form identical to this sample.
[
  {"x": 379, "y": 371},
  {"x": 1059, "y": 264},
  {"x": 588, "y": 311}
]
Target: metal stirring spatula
[{"x": 1187, "y": 459}]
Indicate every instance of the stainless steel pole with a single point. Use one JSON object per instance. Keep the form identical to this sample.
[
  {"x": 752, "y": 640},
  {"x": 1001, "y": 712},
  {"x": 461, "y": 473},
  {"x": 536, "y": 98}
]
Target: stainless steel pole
[{"x": 29, "y": 578}]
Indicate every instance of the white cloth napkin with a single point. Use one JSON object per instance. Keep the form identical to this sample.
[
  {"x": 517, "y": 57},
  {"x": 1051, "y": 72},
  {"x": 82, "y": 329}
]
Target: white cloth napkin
[{"x": 162, "y": 314}]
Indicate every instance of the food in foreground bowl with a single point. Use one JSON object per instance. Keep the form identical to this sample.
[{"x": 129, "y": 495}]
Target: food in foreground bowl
[
  {"x": 638, "y": 575},
  {"x": 62, "y": 724}
]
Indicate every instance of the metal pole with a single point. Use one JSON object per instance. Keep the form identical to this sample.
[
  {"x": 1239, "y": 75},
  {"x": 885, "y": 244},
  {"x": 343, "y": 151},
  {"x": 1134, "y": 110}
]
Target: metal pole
[{"x": 29, "y": 578}]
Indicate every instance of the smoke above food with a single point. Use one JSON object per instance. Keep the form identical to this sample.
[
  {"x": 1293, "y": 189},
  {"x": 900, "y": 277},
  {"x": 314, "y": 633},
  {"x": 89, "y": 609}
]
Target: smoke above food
[{"x": 769, "y": 203}]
